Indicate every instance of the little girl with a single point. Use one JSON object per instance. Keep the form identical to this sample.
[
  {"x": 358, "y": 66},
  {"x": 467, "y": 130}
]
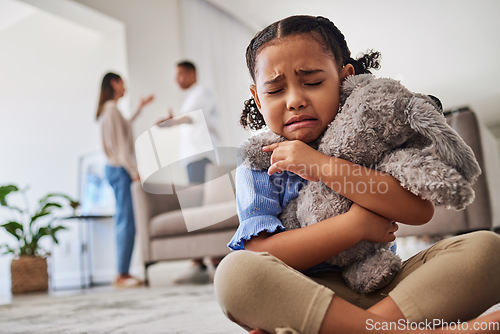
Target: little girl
[{"x": 277, "y": 281}]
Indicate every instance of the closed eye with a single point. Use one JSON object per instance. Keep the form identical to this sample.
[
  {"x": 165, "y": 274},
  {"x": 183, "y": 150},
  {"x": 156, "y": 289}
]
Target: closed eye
[
  {"x": 314, "y": 83},
  {"x": 275, "y": 91}
]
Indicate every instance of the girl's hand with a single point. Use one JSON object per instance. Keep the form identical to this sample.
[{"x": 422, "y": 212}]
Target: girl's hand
[
  {"x": 297, "y": 157},
  {"x": 372, "y": 226}
]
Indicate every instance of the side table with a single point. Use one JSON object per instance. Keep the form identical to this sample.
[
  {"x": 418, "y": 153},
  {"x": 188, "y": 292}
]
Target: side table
[{"x": 85, "y": 245}]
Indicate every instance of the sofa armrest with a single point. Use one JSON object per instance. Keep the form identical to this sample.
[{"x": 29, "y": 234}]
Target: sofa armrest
[
  {"x": 491, "y": 169},
  {"x": 146, "y": 206},
  {"x": 149, "y": 205}
]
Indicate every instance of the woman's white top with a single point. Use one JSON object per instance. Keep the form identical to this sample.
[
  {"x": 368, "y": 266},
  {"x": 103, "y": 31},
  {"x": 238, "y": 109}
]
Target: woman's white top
[{"x": 118, "y": 139}]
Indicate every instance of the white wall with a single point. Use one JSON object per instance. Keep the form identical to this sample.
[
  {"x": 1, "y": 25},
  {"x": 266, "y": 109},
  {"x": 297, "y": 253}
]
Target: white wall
[
  {"x": 49, "y": 84},
  {"x": 48, "y": 93}
]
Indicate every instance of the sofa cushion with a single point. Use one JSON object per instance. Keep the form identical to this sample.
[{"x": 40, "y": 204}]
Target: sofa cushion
[
  {"x": 167, "y": 223},
  {"x": 211, "y": 217},
  {"x": 192, "y": 245},
  {"x": 174, "y": 222}
]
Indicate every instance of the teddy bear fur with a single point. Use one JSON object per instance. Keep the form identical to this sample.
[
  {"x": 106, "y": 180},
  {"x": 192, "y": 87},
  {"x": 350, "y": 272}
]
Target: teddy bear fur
[{"x": 383, "y": 126}]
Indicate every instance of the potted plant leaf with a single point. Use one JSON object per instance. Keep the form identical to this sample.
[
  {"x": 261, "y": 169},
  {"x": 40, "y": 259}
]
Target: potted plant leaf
[{"x": 28, "y": 228}]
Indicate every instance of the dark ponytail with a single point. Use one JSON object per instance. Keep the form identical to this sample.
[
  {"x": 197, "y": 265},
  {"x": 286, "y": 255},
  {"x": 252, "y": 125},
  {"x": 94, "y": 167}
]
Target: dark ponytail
[
  {"x": 362, "y": 65},
  {"x": 251, "y": 118},
  {"x": 320, "y": 28}
]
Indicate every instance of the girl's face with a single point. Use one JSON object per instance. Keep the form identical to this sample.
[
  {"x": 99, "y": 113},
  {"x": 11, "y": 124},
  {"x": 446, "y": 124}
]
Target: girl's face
[{"x": 297, "y": 87}]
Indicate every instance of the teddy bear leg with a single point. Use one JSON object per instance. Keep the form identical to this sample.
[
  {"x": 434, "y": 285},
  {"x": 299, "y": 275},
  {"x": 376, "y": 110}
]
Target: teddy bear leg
[{"x": 373, "y": 272}]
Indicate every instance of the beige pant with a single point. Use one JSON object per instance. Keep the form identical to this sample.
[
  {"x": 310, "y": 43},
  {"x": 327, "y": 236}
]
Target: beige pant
[{"x": 455, "y": 279}]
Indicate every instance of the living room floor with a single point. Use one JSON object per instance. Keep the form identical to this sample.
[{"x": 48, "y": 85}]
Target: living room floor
[
  {"x": 160, "y": 275},
  {"x": 162, "y": 308}
]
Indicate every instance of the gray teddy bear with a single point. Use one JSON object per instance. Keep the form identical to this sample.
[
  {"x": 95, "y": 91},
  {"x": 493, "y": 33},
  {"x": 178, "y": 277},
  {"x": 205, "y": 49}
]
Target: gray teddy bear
[{"x": 381, "y": 125}]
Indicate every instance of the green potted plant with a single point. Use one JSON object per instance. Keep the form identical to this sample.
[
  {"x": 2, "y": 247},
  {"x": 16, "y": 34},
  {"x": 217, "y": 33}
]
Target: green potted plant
[{"x": 29, "y": 266}]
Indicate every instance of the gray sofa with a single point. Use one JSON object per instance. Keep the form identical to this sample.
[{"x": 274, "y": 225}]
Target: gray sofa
[
  {"x": 202, "y": 228},
  {"x": 482, "y": 214}
]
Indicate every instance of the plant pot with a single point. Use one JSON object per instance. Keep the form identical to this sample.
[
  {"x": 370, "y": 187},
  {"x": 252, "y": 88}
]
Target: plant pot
[{"x": 29, "y": 274}]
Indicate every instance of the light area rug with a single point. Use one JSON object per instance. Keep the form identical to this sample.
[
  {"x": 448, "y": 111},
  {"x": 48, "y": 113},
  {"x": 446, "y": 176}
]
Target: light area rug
[
  {"x": 163, "y": 308},
  {"x": 185, "y": 309},
  {"x": 174, "y": 309}
]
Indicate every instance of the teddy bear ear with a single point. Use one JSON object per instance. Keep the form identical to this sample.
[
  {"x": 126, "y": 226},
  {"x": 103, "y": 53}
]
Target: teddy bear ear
[
  {"x": 426, "y": 119},
  {"x": 351, "y": 82}
]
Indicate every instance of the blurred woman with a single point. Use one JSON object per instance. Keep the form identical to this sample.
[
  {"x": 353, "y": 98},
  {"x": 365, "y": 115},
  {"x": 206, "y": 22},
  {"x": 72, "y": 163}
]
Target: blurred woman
[{"x": 121, "y": 169}]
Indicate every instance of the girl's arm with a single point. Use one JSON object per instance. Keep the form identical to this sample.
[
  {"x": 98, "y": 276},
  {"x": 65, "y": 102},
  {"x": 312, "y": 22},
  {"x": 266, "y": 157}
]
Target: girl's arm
[
  {"x": 308, "y": 246},
  {"x": 372, "y": 189},
  {"x": 376, "y": 191}
]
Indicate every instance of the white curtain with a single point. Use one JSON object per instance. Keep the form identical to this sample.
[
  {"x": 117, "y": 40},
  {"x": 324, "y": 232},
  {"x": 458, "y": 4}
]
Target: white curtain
[{"x": 216, "y": 43}]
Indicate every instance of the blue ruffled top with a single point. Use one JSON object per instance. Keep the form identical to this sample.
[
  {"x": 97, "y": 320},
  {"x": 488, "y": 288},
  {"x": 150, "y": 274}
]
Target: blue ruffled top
[{"x": 260, "y": 199}]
